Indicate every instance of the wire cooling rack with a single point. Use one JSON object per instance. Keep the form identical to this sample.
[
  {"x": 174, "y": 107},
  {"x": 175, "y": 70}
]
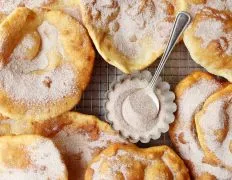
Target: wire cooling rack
[{"x": 177, "y": 67}]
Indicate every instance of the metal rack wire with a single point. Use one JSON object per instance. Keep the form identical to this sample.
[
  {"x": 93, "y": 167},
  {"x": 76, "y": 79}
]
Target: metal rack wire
[{"x": 177, "y": 67}]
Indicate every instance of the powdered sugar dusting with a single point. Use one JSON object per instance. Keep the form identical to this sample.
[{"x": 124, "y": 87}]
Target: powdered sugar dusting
[
  {"x": 31, "y": 89},
  {"x": 204, "y": 31},
  {"x": 214, "y": 120},
  {"x": 133, "y": 23},
  {"x": 190, "y": 103},
  {"x": 10, "y": 126},
  {"x": 42, "y": 79},
  {"x": 77, "y": 143},
  {"x": 213, "y": 30},
  {"x": 115, "y": 164},
  {"x": 7, "y": 6},
  {"x": 74, "y": 12},
  {"x": 215, "y": 4},
  {"x": 45, "y": 163},
  {"x": 27, "y": 43},
  {"x": 199, "y": 92}
]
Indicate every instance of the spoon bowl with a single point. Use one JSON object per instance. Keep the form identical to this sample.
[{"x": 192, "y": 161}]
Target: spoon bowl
[{"x": 148, "y": 93}]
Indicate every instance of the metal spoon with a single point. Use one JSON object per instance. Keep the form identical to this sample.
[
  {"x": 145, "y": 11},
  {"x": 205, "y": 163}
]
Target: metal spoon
[{"x": 181, "y": 22}]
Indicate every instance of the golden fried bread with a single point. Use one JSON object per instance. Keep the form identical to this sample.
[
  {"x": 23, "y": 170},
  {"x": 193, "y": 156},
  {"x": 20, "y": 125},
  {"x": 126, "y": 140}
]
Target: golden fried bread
[
  {"x": 194, "y": 119},
  {"x": 195, "y": 6},
  {"x": 2, "y": 17},
  {"x": 209, "y": 35},
  {"x": 7, "y": 6},
  {"x": 71, "y": 7},
  {"x": 129, "y": 162},
  {"x": 15, "y": 127},
  {"x": 79, "y": 137},
  {"x": 214, "y": 129},
  {"x": 129, "y": 34},
  {"x": 208, "y": 40},
  {"x": 29, "y": 157},
  {"x": 47, "y": 60}
]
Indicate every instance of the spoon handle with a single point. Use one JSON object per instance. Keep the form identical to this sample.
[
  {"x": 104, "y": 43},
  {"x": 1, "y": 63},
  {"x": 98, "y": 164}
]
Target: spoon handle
[{"x": 182, "y": 21}]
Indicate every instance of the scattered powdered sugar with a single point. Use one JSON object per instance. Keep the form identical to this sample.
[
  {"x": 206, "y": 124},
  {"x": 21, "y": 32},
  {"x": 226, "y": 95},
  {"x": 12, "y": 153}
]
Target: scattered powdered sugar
[
  {"x": 7, "y": 6},
  {"x": 204, "y": 31},
  {"x": 45, "y": 163},
  {"x": 22, "y": 79},
  {"x": 32, "y": 88},
  {"x": 188, "y": 105},
  {"x": 14, "y": 127},
  {"x": 214, "y": 120},
  {"x": 213, "y": 30},
  {"x": 134, "y": 25},
  {"x": 75, "y": 143},
  {"x": 50, "y": 42},
  {"x": 199, "y": 92},
  {"x": 27, "y": 43},
  {"x": 74, "y": 12},
  {"x": 214, "y": 117},
  {"x": 194, "y": 9},
  {"x": 115, "y": 164},
  {"x": 45, "y": 154},
  {"x": 215, "y": 4}
]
